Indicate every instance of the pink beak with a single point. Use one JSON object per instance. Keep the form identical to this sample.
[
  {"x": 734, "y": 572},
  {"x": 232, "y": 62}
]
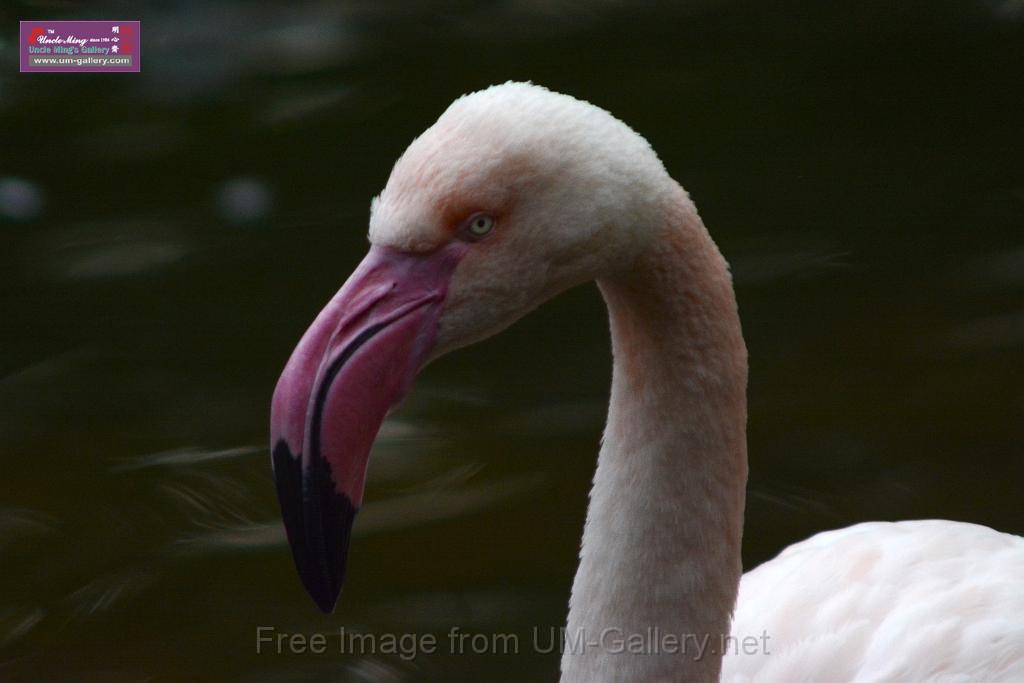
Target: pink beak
[{"x": 356, "y": 361}]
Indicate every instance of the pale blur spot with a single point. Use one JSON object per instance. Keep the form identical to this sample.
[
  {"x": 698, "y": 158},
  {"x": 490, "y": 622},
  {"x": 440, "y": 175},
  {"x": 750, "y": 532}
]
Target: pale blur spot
[
  {"x": 244, "y": 200},
  {"x": 20, "y": 199}
]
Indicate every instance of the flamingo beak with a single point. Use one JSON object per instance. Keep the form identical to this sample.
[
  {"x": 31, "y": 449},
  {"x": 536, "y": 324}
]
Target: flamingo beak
[{"x": 356, "y": 361}]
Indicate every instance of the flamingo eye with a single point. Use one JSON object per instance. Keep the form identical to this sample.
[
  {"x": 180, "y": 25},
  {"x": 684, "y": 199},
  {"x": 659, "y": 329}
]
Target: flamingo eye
[{"x": 479, "y": 225}]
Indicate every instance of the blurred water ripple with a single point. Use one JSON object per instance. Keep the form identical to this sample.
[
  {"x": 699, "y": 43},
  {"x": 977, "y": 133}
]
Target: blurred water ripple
[
  {"x": 294, "y": 106},
  {"x": 470, "y": 609},
  {"x": 134, "y": 141},
  {"x": 186, "y": 457},
  {"x": 16, "y": 623},
  {"x": 552, "y": 420},
  {"x": 17, "y": 524},
  {"x": 767, "y": 268},
  {"x": 1002, "y": 269},
  {"x": 375, "y": 670},
  {"x": 994, "y": 332},
  {"x": 104, "y": 592},
  {"x": 110, "y": 249},
  {"x": 377, "y": 516}
]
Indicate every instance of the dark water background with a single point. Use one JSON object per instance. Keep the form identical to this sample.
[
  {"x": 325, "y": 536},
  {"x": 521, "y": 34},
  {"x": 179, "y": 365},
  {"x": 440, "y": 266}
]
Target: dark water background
[{"x": 166, "y": 237}]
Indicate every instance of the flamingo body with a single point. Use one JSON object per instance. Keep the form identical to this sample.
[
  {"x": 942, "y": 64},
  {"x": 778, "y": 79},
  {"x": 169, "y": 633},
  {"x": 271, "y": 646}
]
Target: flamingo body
[
  {"x": 926, "y": 600},
  {"x": 514, "y": 195}
]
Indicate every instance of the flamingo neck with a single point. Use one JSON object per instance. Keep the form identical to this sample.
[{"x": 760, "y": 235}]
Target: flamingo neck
[{"x": 660, "y": 559}]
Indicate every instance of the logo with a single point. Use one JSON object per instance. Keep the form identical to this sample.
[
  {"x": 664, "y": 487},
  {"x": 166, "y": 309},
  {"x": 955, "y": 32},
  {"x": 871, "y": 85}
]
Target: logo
[{"x": 81, "y": 46}]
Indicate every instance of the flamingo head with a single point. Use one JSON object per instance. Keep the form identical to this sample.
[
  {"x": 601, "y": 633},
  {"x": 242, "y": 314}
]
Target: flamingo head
[{"x": 515, "y": 194}]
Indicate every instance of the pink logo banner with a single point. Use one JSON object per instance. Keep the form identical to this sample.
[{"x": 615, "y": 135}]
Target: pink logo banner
[{"x": 81, "y": 46}]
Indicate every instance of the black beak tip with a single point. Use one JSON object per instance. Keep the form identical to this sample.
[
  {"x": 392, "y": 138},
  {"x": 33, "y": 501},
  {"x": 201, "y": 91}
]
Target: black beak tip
[
  {"x": 324, "y": 595},
  {"x": 322, "y": 557},
  {"x": 318, "y": 520}
]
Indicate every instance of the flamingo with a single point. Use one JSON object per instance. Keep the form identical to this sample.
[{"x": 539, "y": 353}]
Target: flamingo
[{"x": 515, "y": 194}]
